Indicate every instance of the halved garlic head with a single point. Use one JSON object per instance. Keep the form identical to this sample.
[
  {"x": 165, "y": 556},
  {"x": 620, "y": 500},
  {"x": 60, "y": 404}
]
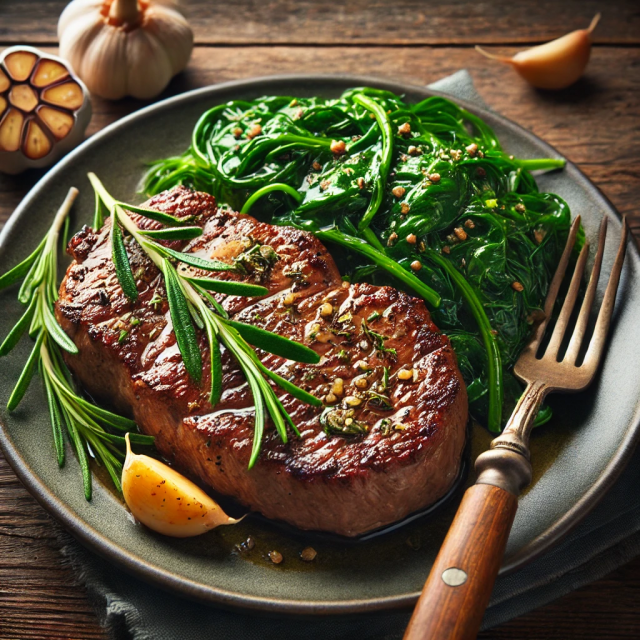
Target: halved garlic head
[
  {"x": 166, "y": 501},
  {"x": 44, "y": 109}
]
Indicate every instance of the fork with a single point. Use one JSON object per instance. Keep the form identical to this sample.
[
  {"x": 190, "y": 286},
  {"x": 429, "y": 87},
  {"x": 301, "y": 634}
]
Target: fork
[{"x": 458, "y": 588}]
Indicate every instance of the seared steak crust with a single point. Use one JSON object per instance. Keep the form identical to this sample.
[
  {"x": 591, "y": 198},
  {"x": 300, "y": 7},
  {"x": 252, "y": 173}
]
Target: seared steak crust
[{"x": 409, "y": 431}]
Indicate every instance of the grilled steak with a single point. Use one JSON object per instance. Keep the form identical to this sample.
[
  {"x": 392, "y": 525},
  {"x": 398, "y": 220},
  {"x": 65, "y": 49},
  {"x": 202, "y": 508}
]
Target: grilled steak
[{"x": 389, "y": 441}]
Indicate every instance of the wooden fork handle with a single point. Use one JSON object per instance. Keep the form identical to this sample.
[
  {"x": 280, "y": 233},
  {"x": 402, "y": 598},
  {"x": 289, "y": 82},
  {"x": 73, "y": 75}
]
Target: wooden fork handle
[{"x": 457, "y": 591}]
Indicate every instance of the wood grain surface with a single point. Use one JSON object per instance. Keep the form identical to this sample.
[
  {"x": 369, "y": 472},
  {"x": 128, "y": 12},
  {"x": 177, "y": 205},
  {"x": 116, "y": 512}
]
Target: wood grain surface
[
  {"x": 361, "y": 22},
  {"x": 595, "y": 123}
]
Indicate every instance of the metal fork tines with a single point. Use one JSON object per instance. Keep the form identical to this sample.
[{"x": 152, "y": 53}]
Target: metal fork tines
[{"x": 549, "y": 372}]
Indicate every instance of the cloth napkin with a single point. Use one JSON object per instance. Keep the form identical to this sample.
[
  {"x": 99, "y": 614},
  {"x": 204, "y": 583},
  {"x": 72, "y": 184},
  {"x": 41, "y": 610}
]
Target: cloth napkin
[{"x": 606, "y": 539}]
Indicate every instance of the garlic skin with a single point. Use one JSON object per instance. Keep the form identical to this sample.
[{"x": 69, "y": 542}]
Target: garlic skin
[
  {"x": 125, "y": 47},
  {"x": 553, "y": 65},
  {"x": 166, "y": 501},
  {"x": 44, "y": 109}
]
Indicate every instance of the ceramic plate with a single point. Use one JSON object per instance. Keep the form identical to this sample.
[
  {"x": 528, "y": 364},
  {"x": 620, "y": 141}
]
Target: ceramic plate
[{"x": 576, "y": 457}]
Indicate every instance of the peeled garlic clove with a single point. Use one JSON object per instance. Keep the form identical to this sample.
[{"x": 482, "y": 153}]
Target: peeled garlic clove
[
  {"x": 166, "y": 501},
  {"x": 23, "y": 97},
  {"x": 11, "y": 130},
  {"x": 5, "y": 83},
  {"x": 68, "y": 95},
  {"x": 3, "y": 105},
  {"x": 47, "y": 72},
  {"x": 58, "y": 122},
  {"x": 556, "y": 64},
  {"x": 19, "y": 64},
  {"x": 36, "y": 144}
]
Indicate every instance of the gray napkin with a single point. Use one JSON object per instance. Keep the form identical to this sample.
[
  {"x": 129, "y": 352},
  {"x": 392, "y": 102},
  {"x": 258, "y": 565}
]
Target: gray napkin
[{"x": 606, "y": 539}]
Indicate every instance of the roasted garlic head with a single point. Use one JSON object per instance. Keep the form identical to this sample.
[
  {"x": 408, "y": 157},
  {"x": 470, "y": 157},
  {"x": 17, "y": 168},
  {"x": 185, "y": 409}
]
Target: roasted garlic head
[
  {"x": 166, "y": 501},
  {"x": 44, "y": 109}
]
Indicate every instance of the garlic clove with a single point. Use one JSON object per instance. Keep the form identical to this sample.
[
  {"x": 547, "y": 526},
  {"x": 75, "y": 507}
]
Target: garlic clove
[
  {"x": 47, "y": 72},
  {"x": 67, "y": 95},
  {"x": 141, "y": 84},
  {"x": 3, "y": 105},
  {"x": 11, "y": 130},
  {"x": 58, "y": 122},
  {"x": 103, "y": 63},
  {"x": 5, "y": 83},
  {"x": 20, "y": 64},
  {"x": 79, "y": 10},
  {"x": 173, "y": 32},
  {"x": 553, "y": 65},
  {"x": 166, "y": 501},
  {"x": 23, "y": 97},
  {"x": 36, "y": 144}
]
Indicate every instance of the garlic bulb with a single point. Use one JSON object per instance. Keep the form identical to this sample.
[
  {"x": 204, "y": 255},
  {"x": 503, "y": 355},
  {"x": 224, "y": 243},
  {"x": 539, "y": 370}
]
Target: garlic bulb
[
  {"x": 44, "y": 109},
  {"x": 556, "y": 64},
  {"x": 125, "y": 47},
  {"x": 166, "y": 501}
]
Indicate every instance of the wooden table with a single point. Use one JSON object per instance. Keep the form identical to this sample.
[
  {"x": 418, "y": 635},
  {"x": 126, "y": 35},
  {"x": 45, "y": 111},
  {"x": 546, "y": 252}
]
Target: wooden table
[{"x": 595, "y": 123}]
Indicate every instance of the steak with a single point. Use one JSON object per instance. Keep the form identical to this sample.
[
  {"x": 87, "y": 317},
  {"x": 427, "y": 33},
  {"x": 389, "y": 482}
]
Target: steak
[{"x": 390, "y": 438}]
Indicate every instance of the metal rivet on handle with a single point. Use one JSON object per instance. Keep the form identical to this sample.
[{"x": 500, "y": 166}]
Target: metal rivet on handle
[{"x": 454, "y": 577}]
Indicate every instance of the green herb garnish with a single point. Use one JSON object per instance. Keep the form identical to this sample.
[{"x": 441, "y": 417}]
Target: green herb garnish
[
  {"x": 88, "y": 427},
  {"x": 341, "y": 422},
  {"x": 386, "y": 428},
  {"x": 384, "y": 381},
  {"x": 257, "y": 259},
  {"x": 379, "y": 400},
  {"x": 377, "y": 339}
]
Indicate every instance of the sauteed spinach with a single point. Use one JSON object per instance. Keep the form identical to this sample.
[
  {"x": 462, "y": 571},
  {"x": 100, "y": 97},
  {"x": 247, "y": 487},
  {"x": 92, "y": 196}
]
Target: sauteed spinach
[{"x": 422, "y": 196}]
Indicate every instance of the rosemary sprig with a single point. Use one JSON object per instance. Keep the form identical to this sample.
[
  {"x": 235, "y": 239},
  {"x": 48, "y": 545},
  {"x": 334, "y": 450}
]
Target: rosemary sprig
[
  {"x": 88, "y": 427},
  {"x": 190, "y": 304}
]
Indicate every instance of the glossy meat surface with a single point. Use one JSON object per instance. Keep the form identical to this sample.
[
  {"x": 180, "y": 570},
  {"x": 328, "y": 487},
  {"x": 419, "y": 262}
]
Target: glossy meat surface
[{"x": 396, "y": 420}]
